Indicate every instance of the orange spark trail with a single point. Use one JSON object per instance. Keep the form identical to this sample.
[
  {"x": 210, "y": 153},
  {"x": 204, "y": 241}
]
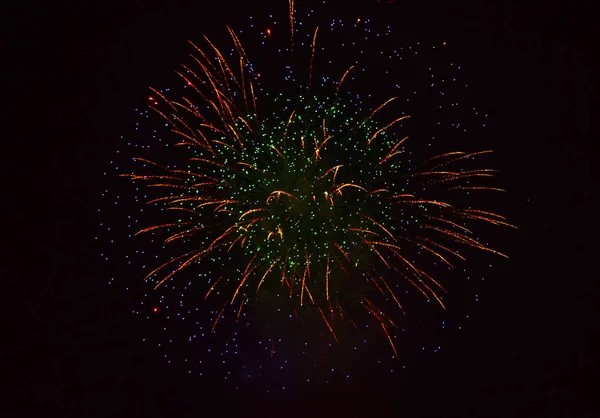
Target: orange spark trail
[
  {"x": 443, "y": 155},
  {"x": 343, "y": 312},
  {"x": 159, "y": 226},
  {"x": 175, "y": 186},
  {"x": 183, "y": 209},
  {"x": 212, "y": 287},
  {"x": 249, "y": 212},
  {"x": 214, "y": 202},
  {"x": 254, "y": 101},
  {"x": 426, "y": 248},
  {"x": 327, "y": 286},
  {"x": 465, "y": 239},
  {"x": 476, "y": 188},
  {"x": 390, "y": 155},
  {"x": 445, "y": 248},
  {"x": 302, "y": 286},
  {"x": 379, "y": 225},
  {"x": 398, "y": 144},
  {"x": 328, "y": 325},
  {"x": 385, "y": 244},
  {"x": 245, "y": 275},
  {"x": 432, "y": 292},
  {"x": 245, "y": 122},
  {"x": 150, "y": 162},
  {"x": 373, "y": 309},
  {"x": 167, "y": 263},
  {"x": 366, "y": 231},
  {"x": 392, "y": 293},
  {"x": 379, "y": 254},
  {"x": 401, "y": 195},
  {"x": 342, "y": 251},
  {"x": 377, "y": 110},
  {"x": 378, "y": 191},
  {"x": 415, "y": 269},
  {"x": 426, "y": 202},
  {"x": 312, "y": 57},
  {"x": 375, "y": 283},
  {"x": 291, "y": 4},
  {"x": 212, "y": 330},
  {"x": 339, "y": 189},
  {"x": 240, "y": 310},
  {"x": 280, "y": 154},
  {"x": 223, "y": 235},
  {"x": 287, "y": 125},
  {"x": 204, "y": 160},
  {"x": 336, "y": 171},
  {"x": 182, "y": 234},
  {"x": 465, "y": 156},
  {"x": 483, "y": 218},
  {"x": 277, "y": 194},
  {"x": 159, "y": 94},
  {"x": 389, "y": 125},
  {"x": 485, "y": 213},
  {"x": 136, "y": 177},
  {"x": 337, "y": 90},
  {"x": 243, "y": 80},
  {"x": 185, "y": 264},
  {"x": 330, "y": 170},
  {"x": 235, "y": 134},
  {"x": 245, "y": 164},
  {"x": 449, "y": 222},
  {"x": 266, "y": 272}
]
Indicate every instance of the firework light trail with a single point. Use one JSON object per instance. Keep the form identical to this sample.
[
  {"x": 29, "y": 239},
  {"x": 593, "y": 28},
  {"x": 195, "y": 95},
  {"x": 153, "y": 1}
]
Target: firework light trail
[{"x": 307, "y": 193}]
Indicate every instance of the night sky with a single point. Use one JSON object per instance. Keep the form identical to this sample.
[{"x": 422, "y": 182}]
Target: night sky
[{"x": 73, "y": 347}]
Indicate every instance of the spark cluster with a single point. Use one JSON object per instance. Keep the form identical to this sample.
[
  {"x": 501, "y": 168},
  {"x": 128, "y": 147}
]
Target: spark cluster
[{"x": 300, "y": 194}]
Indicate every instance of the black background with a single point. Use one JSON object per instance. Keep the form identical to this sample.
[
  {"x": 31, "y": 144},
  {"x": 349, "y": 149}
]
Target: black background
[{"x": 69, "y": 349}]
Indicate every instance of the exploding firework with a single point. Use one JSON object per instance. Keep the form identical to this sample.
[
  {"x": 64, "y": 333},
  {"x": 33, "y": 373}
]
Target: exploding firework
[{"x": 302, "y": 193}]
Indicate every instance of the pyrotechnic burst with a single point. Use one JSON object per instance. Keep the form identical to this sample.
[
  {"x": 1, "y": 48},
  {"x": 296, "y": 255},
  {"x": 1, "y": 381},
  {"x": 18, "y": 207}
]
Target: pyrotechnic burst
[{"x": 302, "y": 191}]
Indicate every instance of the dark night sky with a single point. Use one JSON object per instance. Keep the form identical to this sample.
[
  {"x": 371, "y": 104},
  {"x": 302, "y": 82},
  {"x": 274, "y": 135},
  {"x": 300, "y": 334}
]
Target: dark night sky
[{"x": 531, "y": 351}]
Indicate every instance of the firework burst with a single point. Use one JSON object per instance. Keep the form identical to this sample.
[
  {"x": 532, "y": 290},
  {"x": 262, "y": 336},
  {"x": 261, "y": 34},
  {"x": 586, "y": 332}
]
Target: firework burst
[{"x": 306, "y": 191}]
